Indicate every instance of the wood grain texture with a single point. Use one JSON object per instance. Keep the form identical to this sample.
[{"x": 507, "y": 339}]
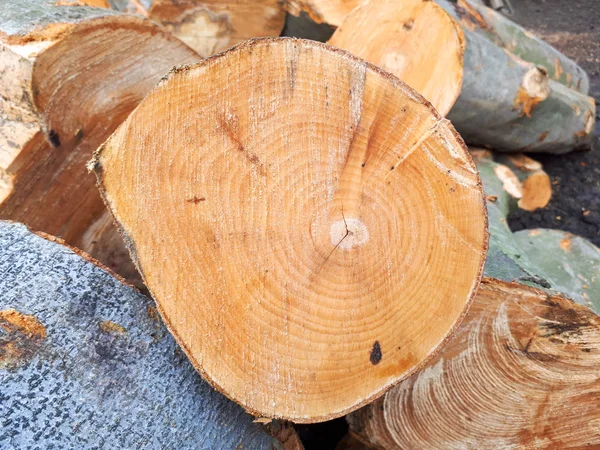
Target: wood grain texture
[
  {"x": 310, "y": 227},
  {"x": 210, "y": 26},
  {"x": 416, "y": 40},
  {"x": 85, "y": 362},
  {"x": 521, "y": 373},
  {"x": 70, "y": 76}
]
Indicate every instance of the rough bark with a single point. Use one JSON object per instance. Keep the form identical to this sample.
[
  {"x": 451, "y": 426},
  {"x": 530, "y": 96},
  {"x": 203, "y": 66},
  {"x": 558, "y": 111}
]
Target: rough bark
[
  {"x": 314, "y": 268},
  {"x": 85, "y": 362},
  {"x": 70, "y": 75},
  {"x": 503, "y": 102},
  {"x": 210, "y": 26}
]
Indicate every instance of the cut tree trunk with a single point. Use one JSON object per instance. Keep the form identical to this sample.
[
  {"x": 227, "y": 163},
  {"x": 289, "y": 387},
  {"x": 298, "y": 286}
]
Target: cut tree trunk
[
  {"x": 520, "y": 42},
  {"x": 338, "y": 250},
  {"x": 502, "y": 102},
  {"x": 86, "y": 362},
  {"x": 416, "y": 40},
  {"x": 473, "y": 15},
  {"x": 210, "y": 26},
  {"x": 521, "y": 372},
  {"x": 70, "y": 76}
]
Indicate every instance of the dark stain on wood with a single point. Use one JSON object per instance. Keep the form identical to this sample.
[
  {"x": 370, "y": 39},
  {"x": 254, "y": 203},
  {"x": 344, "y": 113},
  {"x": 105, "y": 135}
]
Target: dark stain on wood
[
  {"x": 409, "y": 24},
  {"x": 230, "y": 128},
  {"x": 196, "y": 200},
  {"x": 376, "y": 354},
  {"x": 54, "y": 138},
  {"x": 564, "y": 321},
  {"x": 21, "y": 336}
]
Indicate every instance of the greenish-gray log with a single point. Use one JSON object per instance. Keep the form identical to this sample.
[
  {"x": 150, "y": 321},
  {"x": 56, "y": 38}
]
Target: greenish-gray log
[
  {"x": 85, "y": 362},
  {"x": 504, "y": 102},
  {"x": 511, "y": 105},
  {"x": 520, "y": 42}
]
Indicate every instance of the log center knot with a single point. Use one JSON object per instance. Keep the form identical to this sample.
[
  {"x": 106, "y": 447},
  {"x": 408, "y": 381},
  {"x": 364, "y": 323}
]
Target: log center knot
[{"x": 348, "y": 233}]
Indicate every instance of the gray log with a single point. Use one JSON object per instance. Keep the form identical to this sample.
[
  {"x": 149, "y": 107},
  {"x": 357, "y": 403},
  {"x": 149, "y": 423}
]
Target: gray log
[
  {"x": 511, "y": 105},
  {"x": 85, "y": 362},
  {"x": 527, "y": 46}
]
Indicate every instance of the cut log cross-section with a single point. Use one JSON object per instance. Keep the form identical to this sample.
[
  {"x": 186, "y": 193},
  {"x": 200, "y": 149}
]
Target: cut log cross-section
[
  {"x": 210, "y": 26},
  {"x": 85, "y": 362},
  {"x": 340, "y": 246},
  {"x": 70, "y": 76},
  {"x": 493, "y": 98},
  {"x": 399, "y": 37},
  {"x": 522, "y": 372}
]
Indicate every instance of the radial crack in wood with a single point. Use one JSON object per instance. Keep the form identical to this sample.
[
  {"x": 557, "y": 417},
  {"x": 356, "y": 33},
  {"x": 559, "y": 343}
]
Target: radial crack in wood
[
  {"x": 70, "y": 76},
  {"x": 86, "y": 362},
  {"x": 340, "y": 237}
]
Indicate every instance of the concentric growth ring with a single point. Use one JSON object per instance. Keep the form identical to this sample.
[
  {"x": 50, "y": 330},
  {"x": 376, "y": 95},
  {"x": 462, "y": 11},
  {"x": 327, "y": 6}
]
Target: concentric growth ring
[{"x": 309, "y": 226}]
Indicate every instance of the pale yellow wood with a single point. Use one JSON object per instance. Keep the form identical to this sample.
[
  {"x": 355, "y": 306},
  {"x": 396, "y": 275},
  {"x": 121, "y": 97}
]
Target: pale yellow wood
[
  {"x": 521, "y": 373},
  {"x": 65, "y": 87},
  {"x": 332, "y": 12},
  {"x": 210, "y": 26},
  {"x": 417, "y": 41},
  {"x": 311, "y": 229}
]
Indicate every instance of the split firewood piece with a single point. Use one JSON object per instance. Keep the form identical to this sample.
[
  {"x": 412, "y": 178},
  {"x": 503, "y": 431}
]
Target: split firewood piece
[
  {"x": 501, "y": 102},
  {"x": 331, "y": 12},
  {"x": 337, "y": 250},
  {"x": 86, "y": 361},
  {"x": 574, "y": 265},
  {"x": 521, "y": 372},
  {"x": 415, "y": 40},
  {"x": 209, "y": 26},
  {"x": 70, "y": 77},
  {"x": 520, "y": 42}
]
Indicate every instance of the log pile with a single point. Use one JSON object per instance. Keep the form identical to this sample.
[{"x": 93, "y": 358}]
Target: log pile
[{"x": 317, "y": 238}]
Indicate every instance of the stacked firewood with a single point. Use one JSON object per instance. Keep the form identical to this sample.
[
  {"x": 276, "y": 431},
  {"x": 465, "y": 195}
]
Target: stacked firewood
[{"x": 317, "y": 239}]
